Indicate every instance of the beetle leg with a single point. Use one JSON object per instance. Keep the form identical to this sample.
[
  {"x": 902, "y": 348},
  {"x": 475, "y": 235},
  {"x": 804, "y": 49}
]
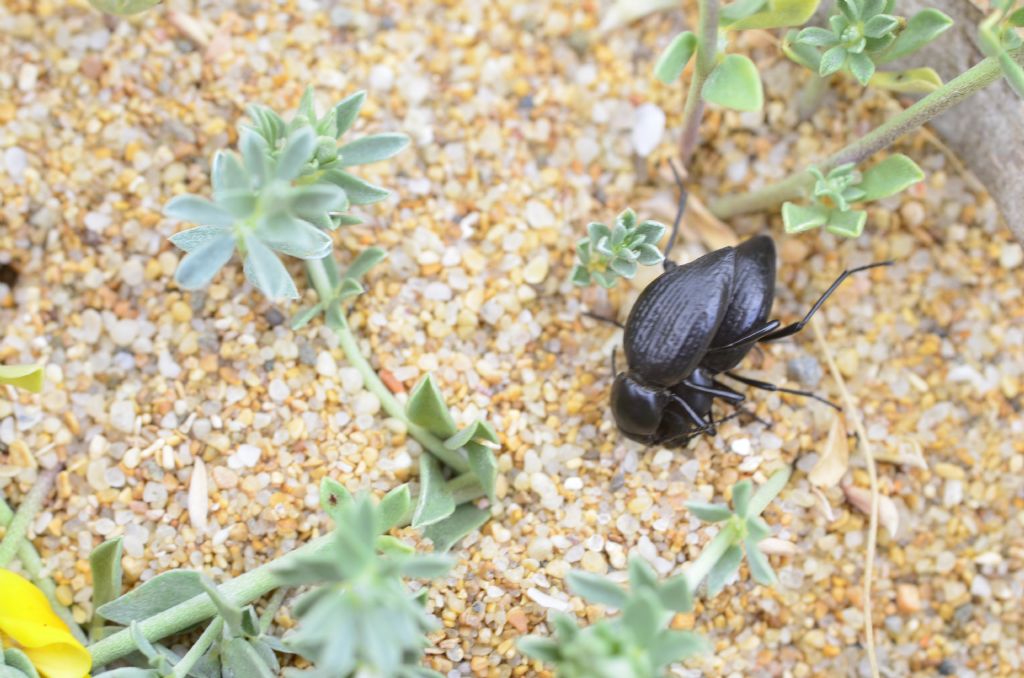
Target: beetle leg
[
  {"x": 705, "y": 426},
  {"x": 766, "y": 386},
  {"x": 723, "y": 392},
  {"x": 615, "y": 371},
  {"x": 756, "y": 335},
  {"x": 668, "y": 263},
  {"x": 604, "y": 319},
  {"x": 790, "y": 330}
]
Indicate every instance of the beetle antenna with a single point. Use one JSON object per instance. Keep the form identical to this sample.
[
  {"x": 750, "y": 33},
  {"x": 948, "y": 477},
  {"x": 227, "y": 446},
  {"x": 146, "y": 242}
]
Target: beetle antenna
[
  {"x": 679, "y": 214},
  {"x": 615, "y": 370}
]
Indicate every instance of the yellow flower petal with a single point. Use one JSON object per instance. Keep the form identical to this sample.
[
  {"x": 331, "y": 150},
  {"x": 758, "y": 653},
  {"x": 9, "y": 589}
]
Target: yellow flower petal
[{"x": 27, "y": 619}]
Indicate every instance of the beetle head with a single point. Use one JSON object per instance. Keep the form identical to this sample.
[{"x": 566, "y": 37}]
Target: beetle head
[{"x": 637, "y": 408}]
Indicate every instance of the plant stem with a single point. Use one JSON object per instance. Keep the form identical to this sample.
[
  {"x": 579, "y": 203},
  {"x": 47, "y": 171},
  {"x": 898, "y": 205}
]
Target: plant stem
[
  {"x": 320, "y": 274},
  {"x": 196, "y": 652},
  {"x": 33, "y": 564},
  {"x": 18, "y": 527},
  {"x": 811, "y": 94},
  {"x": 941, "y": 100},
  {"x": 241, "y": 590},
  {"x": 707, "y": 46},
  {"x": 273, "y": 605}
]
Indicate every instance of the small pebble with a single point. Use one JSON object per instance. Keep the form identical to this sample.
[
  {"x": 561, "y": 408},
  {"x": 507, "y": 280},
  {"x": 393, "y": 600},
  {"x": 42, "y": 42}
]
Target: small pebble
[{"x": 648, "y": 129}]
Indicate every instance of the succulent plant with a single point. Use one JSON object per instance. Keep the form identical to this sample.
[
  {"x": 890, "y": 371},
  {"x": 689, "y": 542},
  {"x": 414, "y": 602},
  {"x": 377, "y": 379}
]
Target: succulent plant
[{"x": 607, "y": 254}]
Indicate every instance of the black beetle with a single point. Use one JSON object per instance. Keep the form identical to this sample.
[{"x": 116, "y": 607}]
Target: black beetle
[{"x": 692, "y": 323}]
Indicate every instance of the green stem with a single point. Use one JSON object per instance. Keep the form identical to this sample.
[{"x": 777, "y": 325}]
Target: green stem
[
  {"x": 33, "y": 565},
  {"x": 17, "y": 529},
  {"x": 196, "y": 652},
  {"x": 273, "y": 605},
  {"x": 241, "y": 590},
  {"x": 707, "y": 47},
  {"x": 321, "y": 279},
  {"x": 941, "y": 100}
]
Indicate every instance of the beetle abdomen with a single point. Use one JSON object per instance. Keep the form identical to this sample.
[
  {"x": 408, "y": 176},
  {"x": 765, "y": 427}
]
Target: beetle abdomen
[
  {"x": 750, "y": 303},
  {"x": 675, "y": 318}
]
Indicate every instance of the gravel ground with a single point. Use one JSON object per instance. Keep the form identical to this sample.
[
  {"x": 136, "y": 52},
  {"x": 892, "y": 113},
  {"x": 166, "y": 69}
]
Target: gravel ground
[{"x": 525, "y": 126}]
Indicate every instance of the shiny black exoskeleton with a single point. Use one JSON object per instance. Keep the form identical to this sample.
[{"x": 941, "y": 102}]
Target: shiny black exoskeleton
[{"x": 694, "y": 322}]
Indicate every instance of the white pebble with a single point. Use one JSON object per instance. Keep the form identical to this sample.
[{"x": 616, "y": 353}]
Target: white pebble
[
  {"x": 382, "y": 78},
  {"x": 16, "y": 163},
  {"x": 154, "y": 494},
  {"x": 438, "y": 291},
  {"x": 366, "y": 403},
  {"x": 248, "y": 455},
  {"x": 96, "y": 221},
  {"x": 648, "y": 129},
  {"x": 326, "y": 365},
  {"x": 122, "y": 416},
  {"x": 1011, "y": 256},
  {"x": 123, "y": 332},
  {"x": 27, "y": 77},
  {"x": 538, "y": 215},
  {"x": 132, "y": 272},
  {"x": 351, "y": 379},
  {"x": 278, "y": 390}
]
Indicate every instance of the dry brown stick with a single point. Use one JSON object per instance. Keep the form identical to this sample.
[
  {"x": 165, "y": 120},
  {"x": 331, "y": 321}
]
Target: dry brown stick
[{"x": 858, "y": 425}]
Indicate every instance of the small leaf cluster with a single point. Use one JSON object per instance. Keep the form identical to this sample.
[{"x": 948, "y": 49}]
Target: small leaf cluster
[
  {"x": 865, "y": 34},
  {"x": 636, "y": 643},
  {"x": 733, "y": 81},
  {"x": 835, "y": 193},
  {"x": 607, "y": 254},
  {"x": 998, "y": 33},
  {"x": 362, "y": 618},
  {"x": 438, "y": 511},
  {"x": 283, "y": 194},
  {"x": 745, "y": 528}
]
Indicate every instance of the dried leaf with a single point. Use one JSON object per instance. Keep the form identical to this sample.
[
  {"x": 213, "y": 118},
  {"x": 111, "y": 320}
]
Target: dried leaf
[
  {"x": 198, "y": 497},
  {"x": 774, "y": 546},
  {"x": 908, "y": 452},
  {"x": 888, "y": 515},
  {"x": 835, "y": 456}
]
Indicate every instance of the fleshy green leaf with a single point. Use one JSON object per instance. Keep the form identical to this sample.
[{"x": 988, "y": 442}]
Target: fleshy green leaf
[
  {"x": 760, "y": 569},
  {"x": 597, "y": 589},
  {"x": 641, "y": 574},
  {"x": 675, "y": 594},
  {"x": 28, "y": 377},
  {"x": 240, "y": 659},
  {"x": 426, "y": 566},
  {"x": 798, "y": 52},
  {"x": 479, "y": 430},
  {"x": 426, "y": 408},
  {"x": 372, "y": 149},
  {"x": 861, "y": 67},
  {"x": 448, "y": 532},
  {"x": 778, "y": 14},
  {"x": 724, "y": 569},
  {"x": 766, "y": 493},
  {"x": 435, "y": 502},
  {"x": 334, "y": 497},
  {"x": 817, "y": 36},
  {"x": 230, "y": 612},
  {"x": 198, "y": 210},
  {"x": 847, "y": 224},
  {"x": 366, "y": 260},
  {"x": 538, "y": 647},
  {"x": 671, "y": 646},
  {"x": 294, "y": 237},
  {"x": 194, "y": 238},
  {"x": 879, "y": 25},
  {"x": 255, "y": 155},
  {"x": 735, "y": 84},
  {"x": 228, "y": 173},
  {"x": 832, "y": 60},
  {"x": 484, "y": 466},
  {"x": 199, "y": 266},
  {"x": 800, "y": 218},
  {"x": 347, "y": 111},
  {"x": 709, "y": 513},
  {"x": 303, "y": 317},
  {"x": 642, "y": 616},
  {"x": 627, "y": 269},
  {"x": 315, "y": 199},
  {"x": 741, "y": 492},
  {"x": 15, "y": 664},
  {"x": 393, "y": 507},
  {"x": 894, "y": 174},
  {"x": 123, "y": 7},
  {"x": 741, "y": 9},
  {"x": 359, "y": 192},
  {"x": 649, "y": 255},
  {"x": 105, "y": 564},
  {"x": 580, "y": 276},
  {"x": 297, "y": 151},
  {"x": 123, "y": 672},
  {"x": 757, "y": 528},
  {"x": 675, "y": 57},
  {"x": 154, "y": 596},
  {"x": 266, "y": 272},
  {"x": 1016, "y": 18},
  {"x": 921, "y": 29},
  {"x": 911, "y": 81}
]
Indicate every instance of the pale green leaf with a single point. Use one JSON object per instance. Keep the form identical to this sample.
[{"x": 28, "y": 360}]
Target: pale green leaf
[
  {"x": 580, "y": 276},
  {"x": 194, "y": 238},
  {"x": 642, "y": 616},
  {"x": 760, "y": 569},
  {"x": 778, "y": 14},
  {"x": 671, "y": 646},
  {"x": 160, "y": 593},
  {"x": 426, "y": 408},
  {"x": 105, "y": 564},
  {"x": 228, "y": 173},
  {"x": 372, "y": 149},
  {"x": 393, "y": 507},
  {"x": 735, "y": 84},
  {"x": 448, "y": 532},
  {"x": 346, "y": 112},
  {"x": 426, "y": 566},
  {"x": 294, "y": 237},
  {"x": 359, "y": 192},
  {"x": 676, "y": 595},
  {"x": 767, "y": 492},
  {"x": 597, "y": 589},
  {"x": 861, "y": 67},
  {"x": 847, "y": 224},
  {"x": 15, "y": 664},
  {"x": 894, "y": 174},
  {"x": 832, "y": 60},
  {"x": 297, "y": 151},
  {"x": 800, "y": 218},
  {"x": 266, "y": 272},
  {"x": 724, "y": 569},
  {"x": 741, "y": 492},
  {"x": 228, "y": 610},
  {"x": 240, "y": 660},
  {"x": 366, "y": 260},
  {"x": 199, "y": 266},
  {"x": 334, "y": 497},
  {"x": 709, "y": 513},
  {"x": 538, "y": 647},
  {"x": 675, "y": 57},
  {"x": 911, "y": 81},
  {"x": 306, "y": 201},
  {"x": 479, "y": 430},
  {"x": 198, "y": 210},
  {"x": 484, "y": 466},
  {"x": 817, "y": 36},
  {"x": 28, "y": 377},
  {"x": 641, "y": 574},
  {"x": 123, "y": 7},
  {"x": 921, "y": 29},
  {"x": 435, "y": 502}
]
